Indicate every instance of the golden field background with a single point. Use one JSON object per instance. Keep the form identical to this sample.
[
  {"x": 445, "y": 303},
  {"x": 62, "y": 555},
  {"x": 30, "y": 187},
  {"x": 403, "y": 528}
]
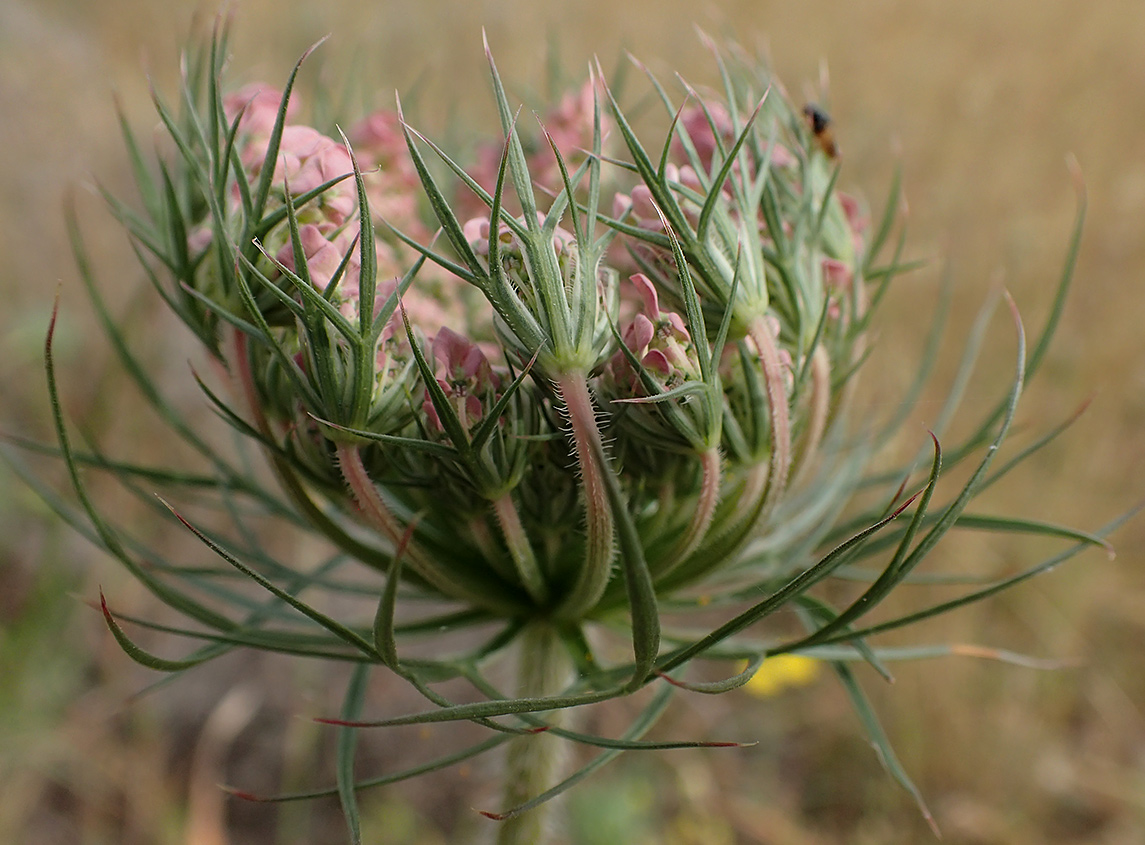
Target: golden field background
[{"x": 979, "y": 102}]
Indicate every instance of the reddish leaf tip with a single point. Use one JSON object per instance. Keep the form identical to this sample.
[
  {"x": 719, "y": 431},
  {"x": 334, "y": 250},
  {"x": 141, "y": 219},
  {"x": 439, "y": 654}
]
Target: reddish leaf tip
[
  {"x": 241, "y": 793},
  {"x": 905, "y": 505},
  {"x": 343, "y": 723},
  {"x": 312, "y": 48},
  {"x": 55, "y": 314}
]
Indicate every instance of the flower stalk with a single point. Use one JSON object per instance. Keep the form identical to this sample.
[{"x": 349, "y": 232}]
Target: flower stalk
[
  {"x": 520, "y": 550},
  {"x": 596, "y": 569},
  {"x": 535, "y": 761},
  {"x": 774, "y": 379},
  {"x": 706, "y": 501},
  {"x": 819, "y": 408},
  {"x": 377, "y": 514}
]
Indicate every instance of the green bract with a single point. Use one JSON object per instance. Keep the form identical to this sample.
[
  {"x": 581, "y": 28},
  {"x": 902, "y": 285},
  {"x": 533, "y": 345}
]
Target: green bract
[{"x": 615, "y": 387}]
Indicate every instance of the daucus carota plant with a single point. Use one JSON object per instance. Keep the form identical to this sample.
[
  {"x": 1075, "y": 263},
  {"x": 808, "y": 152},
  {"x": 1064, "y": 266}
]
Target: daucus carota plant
[{"x": 566, "y": 395}]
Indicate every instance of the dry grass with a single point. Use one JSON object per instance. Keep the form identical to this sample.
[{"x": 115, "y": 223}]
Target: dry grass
[{"x": 979, "y": 101}]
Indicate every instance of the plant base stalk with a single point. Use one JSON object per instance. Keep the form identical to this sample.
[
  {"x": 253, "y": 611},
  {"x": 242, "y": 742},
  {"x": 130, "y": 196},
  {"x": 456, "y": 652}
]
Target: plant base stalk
[{"x": 534, "y": 761}]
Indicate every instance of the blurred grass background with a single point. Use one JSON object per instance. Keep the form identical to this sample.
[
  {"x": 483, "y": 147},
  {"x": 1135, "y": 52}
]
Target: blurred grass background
[{"x": 979, "y": 102}]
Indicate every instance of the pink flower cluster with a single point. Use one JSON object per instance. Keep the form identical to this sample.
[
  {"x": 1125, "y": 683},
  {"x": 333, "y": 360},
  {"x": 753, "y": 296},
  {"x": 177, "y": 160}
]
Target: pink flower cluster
[
  {"x": 328, "y": 224},
  {"x": 709, "y": 129},
  {"x": 639, "y": 207},
  {"x": 329, "y": 234},
  {"x": 392, "y": 184},
  {"x": 570, "y": 127},
  {"x": 696, "y": 125},
  {"x": 465, "y": 376},
  {"x": 659, "y": 340},
  {"x": 329, "y": 229},
  {"x": 306, "y": 157}
]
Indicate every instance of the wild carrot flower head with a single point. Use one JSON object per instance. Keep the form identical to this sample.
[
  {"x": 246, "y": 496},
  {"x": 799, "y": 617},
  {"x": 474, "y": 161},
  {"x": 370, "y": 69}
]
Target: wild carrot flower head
[{"x": 496, "y": 437}]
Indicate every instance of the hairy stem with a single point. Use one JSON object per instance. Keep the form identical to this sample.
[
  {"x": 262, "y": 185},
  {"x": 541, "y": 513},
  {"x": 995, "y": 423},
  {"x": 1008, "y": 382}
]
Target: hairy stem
[
  {"x": 729, "y": 534},
  {"x": 597, "y": 567},
  {"x": 378, "y": 514},
  {"x": 519, "y": 549},
  {"x": 778, "y": 411},
  {"x": 705, "y": 510},
  {"x": 820, "y": 407},
  {"x": 286, "y": 476}
]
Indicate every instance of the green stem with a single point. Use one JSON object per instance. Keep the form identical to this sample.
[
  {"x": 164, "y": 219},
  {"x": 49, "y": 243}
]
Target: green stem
[{"x": 534, "y": 761}]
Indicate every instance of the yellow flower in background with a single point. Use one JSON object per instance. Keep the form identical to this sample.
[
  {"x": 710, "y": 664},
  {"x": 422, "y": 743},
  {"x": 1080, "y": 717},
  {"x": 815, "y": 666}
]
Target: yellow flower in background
[{"x": 781, "y": 672}]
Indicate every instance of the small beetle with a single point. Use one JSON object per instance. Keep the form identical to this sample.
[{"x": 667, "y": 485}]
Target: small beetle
[{"x": 820, "y": 124}]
